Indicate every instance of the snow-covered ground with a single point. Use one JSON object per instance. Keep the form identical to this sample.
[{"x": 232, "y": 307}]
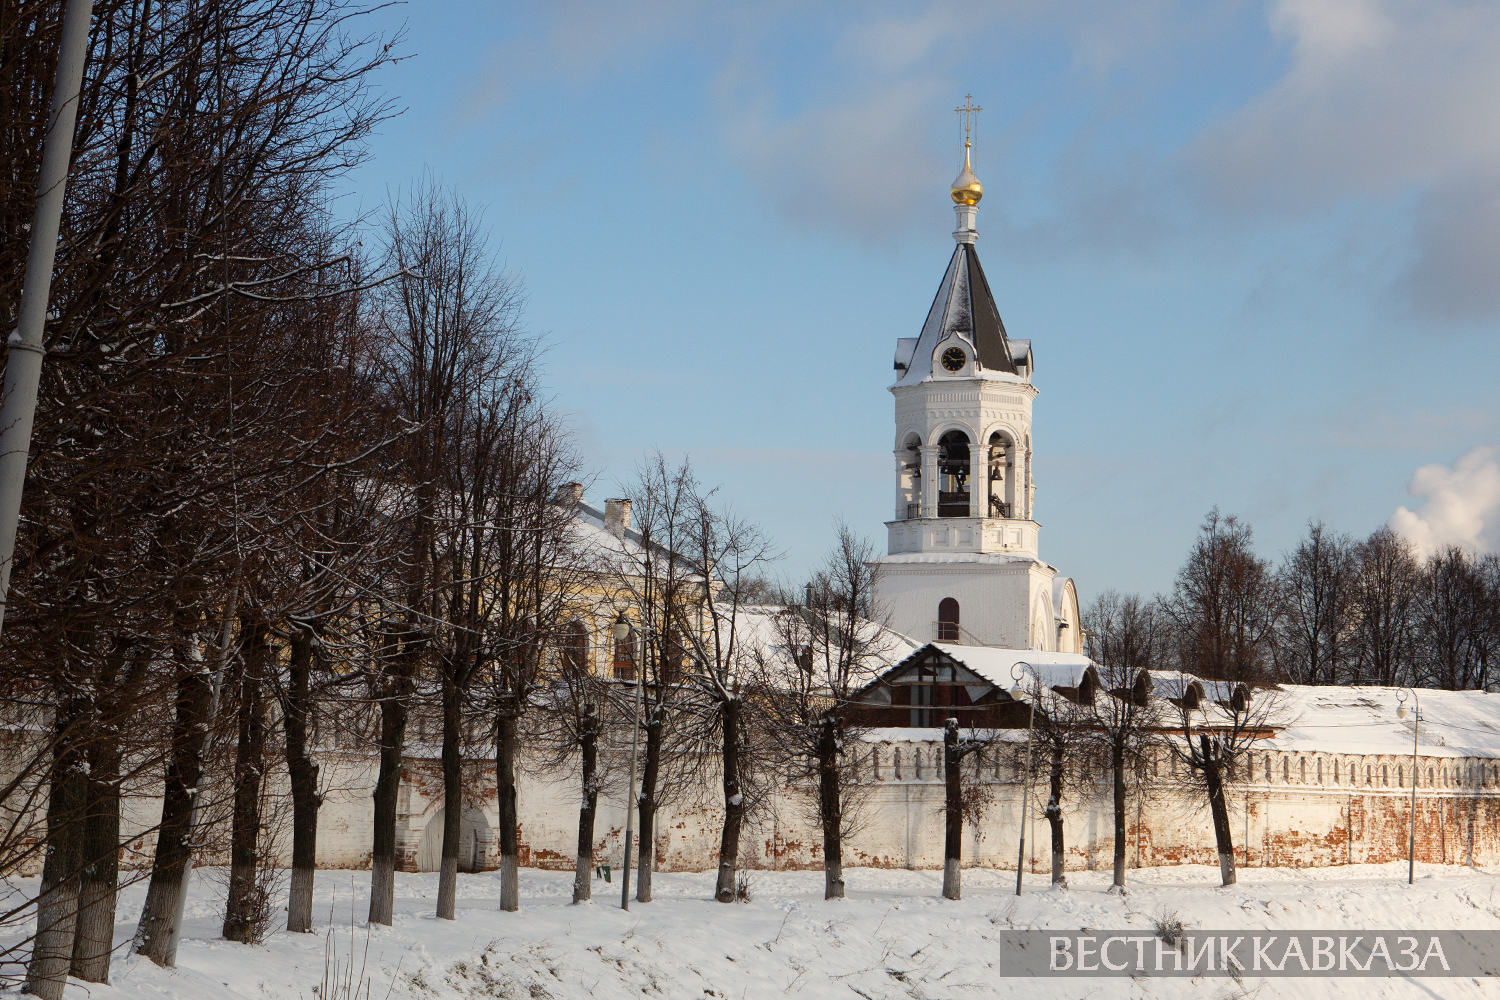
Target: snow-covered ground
[{"x": 894, "y": 937}]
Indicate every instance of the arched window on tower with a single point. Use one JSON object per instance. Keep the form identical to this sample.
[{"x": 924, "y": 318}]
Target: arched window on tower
[
  {"x": 910, "y": 486},
  {"x": 947, "y": 623},
  {"x": 953, "y": 474},
  {"x": 1001, "y": 478}
]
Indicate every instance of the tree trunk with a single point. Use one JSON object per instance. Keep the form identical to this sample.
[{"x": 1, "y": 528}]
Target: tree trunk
[
  {"x": 505, "y": 787},
  {"x": 646, "y": 811},
  {"x": 734, "y": 802},
  {"x": 583, "y": 872},
  {"x": 830, "y": 810},
  {"x": 1054, "y": 817},
  {"x": 303, "y": 772},
  {"x": 245, "y": 910},
  {"x": 453, "y": 796},
  {"x": 395, "y": 704},
  {"x": 174, "y": 836},
  {"x": 953, "y": 817},
  {"x": 94, "y": 937},
  {"x": 1117, "y": 766},
  {"x": 1219, "y": 809},
  {"x": 57, "y": 902}
]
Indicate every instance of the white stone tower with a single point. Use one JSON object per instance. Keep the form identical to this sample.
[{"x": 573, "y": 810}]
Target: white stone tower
[{"x": 963, "y": 564}]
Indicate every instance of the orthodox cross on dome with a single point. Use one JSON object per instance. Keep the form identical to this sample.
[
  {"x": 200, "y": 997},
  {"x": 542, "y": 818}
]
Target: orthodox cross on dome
[{"x": 968, "y": 112}]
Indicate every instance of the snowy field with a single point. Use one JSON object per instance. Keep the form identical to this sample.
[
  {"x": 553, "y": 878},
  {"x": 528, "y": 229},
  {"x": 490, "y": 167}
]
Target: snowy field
[{"x": 894, "y": 937}]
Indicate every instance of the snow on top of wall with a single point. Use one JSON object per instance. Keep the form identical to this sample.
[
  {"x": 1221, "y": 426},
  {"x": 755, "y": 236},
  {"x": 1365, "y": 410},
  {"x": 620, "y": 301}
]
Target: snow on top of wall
[
  {"x": 903, "y": 734},
  {"x": 1362, "y": 720}
]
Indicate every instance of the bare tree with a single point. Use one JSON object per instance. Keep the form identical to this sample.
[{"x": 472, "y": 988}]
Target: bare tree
[
  {"x": 1219, "y": 724},
  {"x": 826, "y": 649},
  {"x": 1066, "y": 745},
  {"x": 956, "y": 749},
  {"x": 458, "y": 371},
  {"x": 1455, "y": 620},
  {"x": 1386, "y": 589},
  {"x": 185, "y": 226},
  {"x": 577, "y": 709},
  {"x": 732, "y": 552},
  {"x": 1317, "y": 581},
  {"x": 244, "y": 907},
  {"x": 1225, "y": 605},
  {"x": 1127, "y": 636},
  {"x": 660, "y": 589}
]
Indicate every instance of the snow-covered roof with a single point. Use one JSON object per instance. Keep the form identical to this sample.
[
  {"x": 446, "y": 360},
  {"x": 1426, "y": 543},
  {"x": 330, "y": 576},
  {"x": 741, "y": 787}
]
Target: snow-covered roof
[
  {"x": 1020, "y": 352},
  {"x": 759, "y": 628},
  {"x": 1362, "y": 719},
  {"x": 622, "y": 553},
  {"x": 994, "y": 665}
]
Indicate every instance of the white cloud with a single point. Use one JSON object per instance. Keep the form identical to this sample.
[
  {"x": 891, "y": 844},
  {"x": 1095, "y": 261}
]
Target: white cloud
[
  {"x": 1377, "y": 97},
  {"x": 865, "y": 167},
  {"x": 1462, "y": 504},
  {"x": 1385, "y": 101}
]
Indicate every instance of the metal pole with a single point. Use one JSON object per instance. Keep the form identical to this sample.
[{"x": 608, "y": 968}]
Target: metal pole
[
  {"x": 1026, "y": 792},
  {"x": 1411, "y": 840},
  {"x": 635, "y": 742},
  {"x": 23, "y": 368}
]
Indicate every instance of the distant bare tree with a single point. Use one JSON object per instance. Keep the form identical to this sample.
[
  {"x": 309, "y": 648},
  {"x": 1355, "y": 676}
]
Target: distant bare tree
[
  {"x": 1455, "y": 620},
  {"x": 1225, "y": 605},
  {"x": 1315, "y": 640},
  {"x": 1387, "y": 590}
]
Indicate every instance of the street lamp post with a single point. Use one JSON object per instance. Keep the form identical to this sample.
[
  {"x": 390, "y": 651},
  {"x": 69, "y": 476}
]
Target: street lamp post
[
  {"x": 1017, "y": 673},
  {"x": 1416, "y": 722},
  {"x": 622, "y": 633}
]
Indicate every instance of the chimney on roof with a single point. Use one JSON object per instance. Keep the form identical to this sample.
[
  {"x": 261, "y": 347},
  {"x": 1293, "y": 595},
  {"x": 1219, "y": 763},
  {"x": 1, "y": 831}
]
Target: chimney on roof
[
  {"x": 570, "y": 495},
  {"x": 617, "y": 517}
]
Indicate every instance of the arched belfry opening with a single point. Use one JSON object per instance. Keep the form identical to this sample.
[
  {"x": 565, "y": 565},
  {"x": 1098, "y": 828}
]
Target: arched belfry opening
[
  {"x": 1002, "y": 467},
  {"x": 953, "y": 475},
  {"x": 947, "y": 620},
  {"x": 910, "y": 485}
]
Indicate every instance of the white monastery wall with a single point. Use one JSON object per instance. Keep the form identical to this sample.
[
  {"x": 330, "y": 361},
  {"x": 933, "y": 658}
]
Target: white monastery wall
[{"x": 1297, "y": 816}]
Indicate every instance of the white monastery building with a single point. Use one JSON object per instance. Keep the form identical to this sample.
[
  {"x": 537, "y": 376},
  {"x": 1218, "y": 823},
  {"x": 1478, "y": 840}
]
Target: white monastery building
[{"x": 963, "y": 564}]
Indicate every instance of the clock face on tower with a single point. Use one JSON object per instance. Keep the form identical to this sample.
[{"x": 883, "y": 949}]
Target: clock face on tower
[{"x": 954, "y": 358}]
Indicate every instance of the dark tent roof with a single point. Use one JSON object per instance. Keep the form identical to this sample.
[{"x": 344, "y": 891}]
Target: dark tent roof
[
  {"x": 964, "y": 307},
  {"x": 989, "y": 330}
]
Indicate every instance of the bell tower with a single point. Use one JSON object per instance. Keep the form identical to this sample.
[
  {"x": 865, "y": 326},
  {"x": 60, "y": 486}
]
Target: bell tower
[{"x": 962, "y": 563}]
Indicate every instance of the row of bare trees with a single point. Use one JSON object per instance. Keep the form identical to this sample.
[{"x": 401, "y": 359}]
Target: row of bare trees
[
  {"x": 1335, "y": 611},
  {"x": 282, "y": 488},
  {"x": 189, "y": 491}
]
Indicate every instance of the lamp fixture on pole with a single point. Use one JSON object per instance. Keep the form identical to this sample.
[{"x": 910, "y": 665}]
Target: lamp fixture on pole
[
  {"x": 1416, "y": 722},
  {"x": 1017, "y": 673}
]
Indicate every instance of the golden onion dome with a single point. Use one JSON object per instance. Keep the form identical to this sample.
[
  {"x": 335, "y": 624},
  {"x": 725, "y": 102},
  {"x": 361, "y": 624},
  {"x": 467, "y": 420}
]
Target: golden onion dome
[{"x": 966, "y": 189}]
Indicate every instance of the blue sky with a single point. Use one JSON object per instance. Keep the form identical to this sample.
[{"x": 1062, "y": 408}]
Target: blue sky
[{"x": 1256, "y": 246}]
